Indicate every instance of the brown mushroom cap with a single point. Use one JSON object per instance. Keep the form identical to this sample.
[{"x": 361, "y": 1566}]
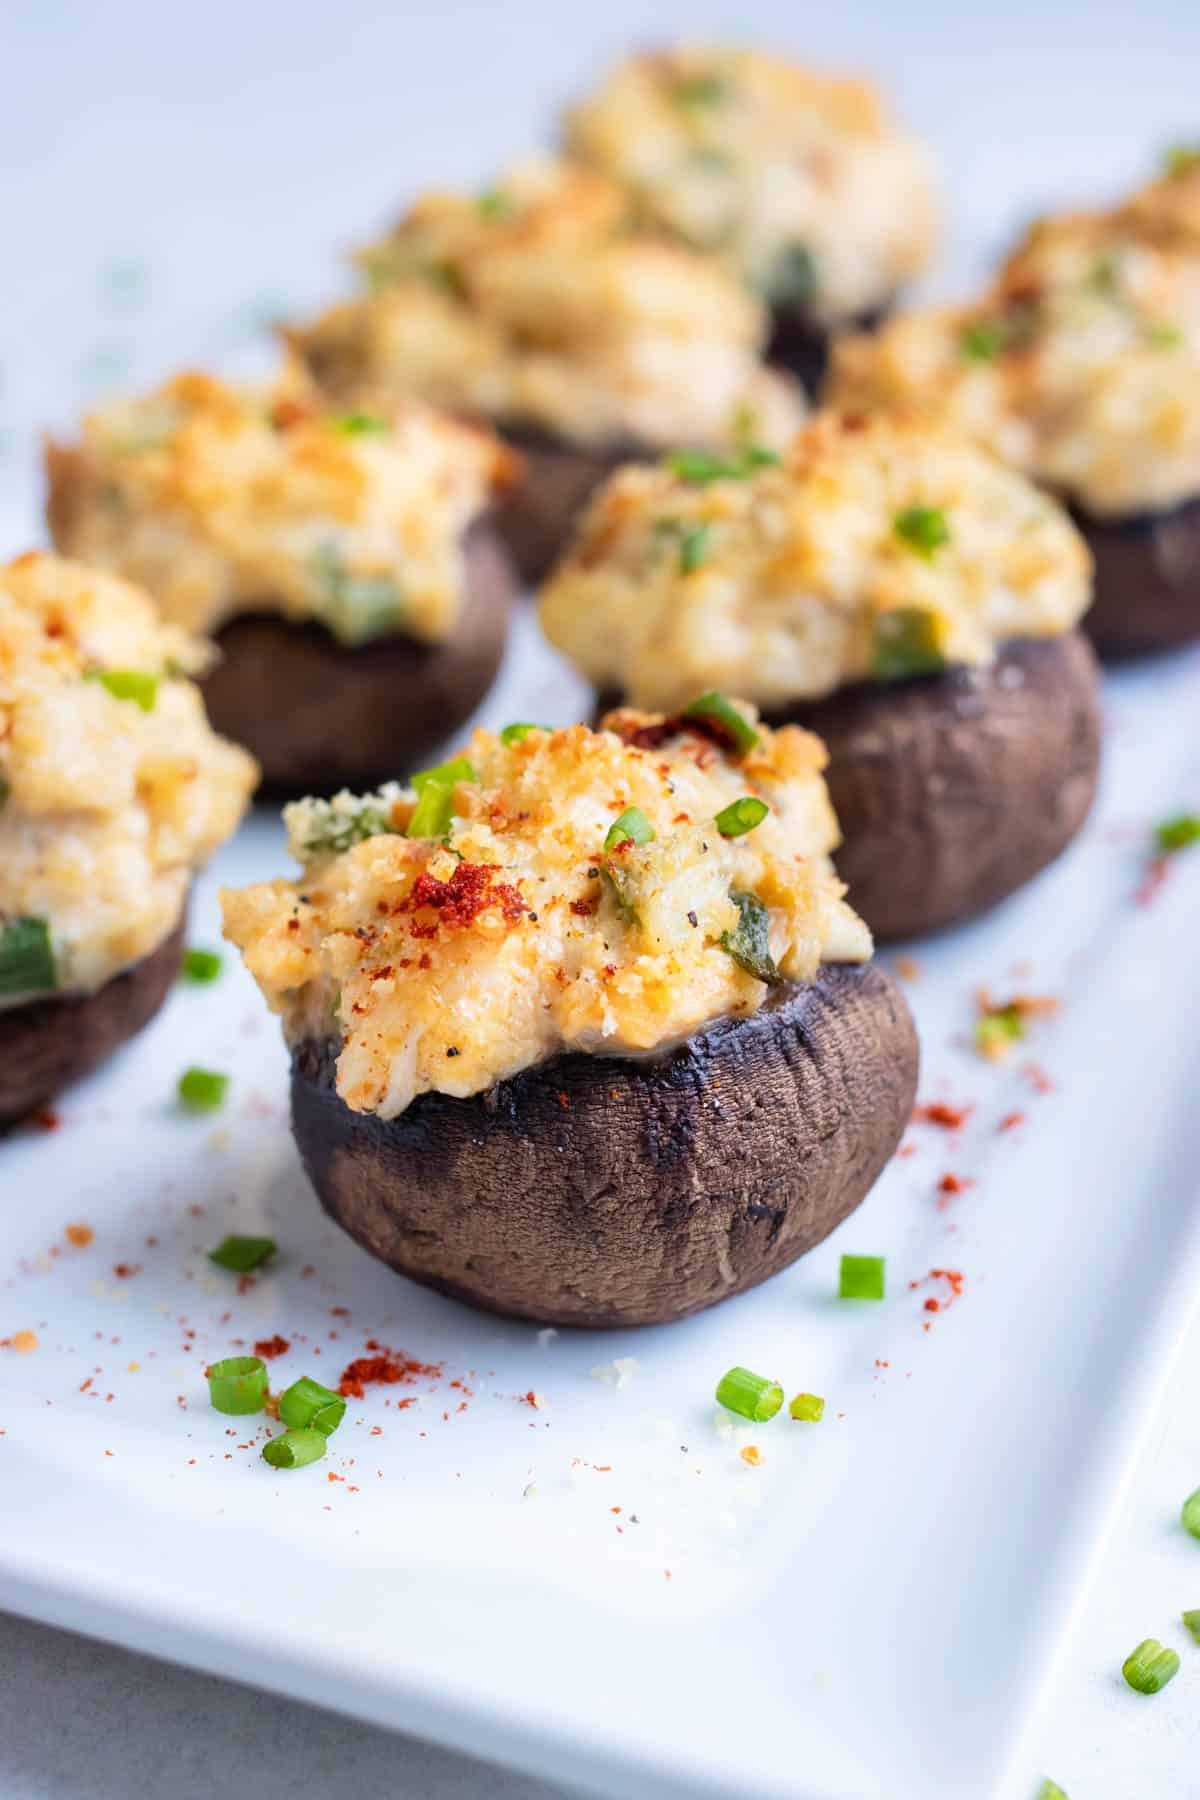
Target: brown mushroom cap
[
  {"x": 46, "y": 1044},
  {"x": 1147, "y": 581},
  {"x": 320, "y": 716},
  {"x": 537, "y": 516},
  {"x": 954, "y": 790},
  {"x": 597, "y": 1191}
]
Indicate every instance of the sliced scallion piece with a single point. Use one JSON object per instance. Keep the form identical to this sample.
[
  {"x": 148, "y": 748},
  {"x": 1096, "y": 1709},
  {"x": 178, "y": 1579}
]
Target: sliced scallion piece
[
  {"x": 26, "y": 957},
  {"x": 862, "y": 1278},
  {"x": 307, "y": 1405},
  {"x": 435, "y": 797},
  {"x": 1180, "y": 159},
  {"x": 1190, "y": 1514},
  {"x": 717, "y": 711},
  {"x": 1050, "y": 1790},
  {"x": 360, "y": 424},
  {"x": 792, "y": 278},
  {"x": 908, "y": 641},
  {"x": 753, "y": 1396},
  {"x": 749, "y": 943},
  {"x": 202, "y": 1090},
  {"x": 982, "y": 340},
  {"x": 241, "y": 1254},
  {"x": 1149, "y": 1668},
  {"x": 633, "y": 827},
  {"x": 495, "y": 203},
  {"x": 923, "y": 529},
  {"x": 138, "y": 685},
  {"x": 238, "y": 1384},
  {"x": 516, "y": 734},
  {"x": 699, "y": 467},
  {"x": 694, "y": 544},
  {"x": 201, "y": 966},
  {"x": 701, "y": 90},
  {"x": 807, "y": 1407},
  {"x": 1178, "y": 833},
  {"x": 1192, "y": 1622},
  {"x": 741, "y": 816},
  {"x": 294, "y": 1449}
]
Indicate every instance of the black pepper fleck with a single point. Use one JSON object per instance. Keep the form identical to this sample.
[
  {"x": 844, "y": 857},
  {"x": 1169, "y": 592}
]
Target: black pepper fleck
[
  {"x": 692, "y": 919},
  {"x": 454, "y": 1051}
]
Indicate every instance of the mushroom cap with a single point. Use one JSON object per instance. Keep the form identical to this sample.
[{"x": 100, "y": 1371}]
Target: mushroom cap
[
  {"x": 954, "y": 790},
  {"x": 1147, "y": 581},
  {"x": 320, "y": 715},
  {"x": 536, "y": 517},
  {"x": 600, "y": 1191},
  {"x": 48, "y": 1043}
]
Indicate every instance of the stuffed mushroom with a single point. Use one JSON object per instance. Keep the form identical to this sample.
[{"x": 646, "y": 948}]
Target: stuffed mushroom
[
  {"x": 798, "y": 182},
  {"x": 582, "y": 1029},
  {"x": 539, "y": 307},
  {"x": 342, "y": 561},
  {"x": 113, "y": 791},
  {"x": 1081, "y": 365},
  {"x": 894, "y": 588}
]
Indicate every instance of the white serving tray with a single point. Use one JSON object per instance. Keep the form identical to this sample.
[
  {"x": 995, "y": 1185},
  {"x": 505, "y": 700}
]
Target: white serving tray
[{"x": 868, "y": 1612}]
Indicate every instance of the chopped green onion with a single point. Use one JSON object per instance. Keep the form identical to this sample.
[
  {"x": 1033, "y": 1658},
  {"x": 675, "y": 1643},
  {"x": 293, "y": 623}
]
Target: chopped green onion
[
  {"x": 138, "y": 685},
  {"x": 791, "y": 279},
  {"x": 1150, "y": 1667},
  {"x": 718, "y": 711},
  {"x": 694, "y": 541},
  {"x": 1192, "y": 1621},
  {"x": 494, "y": 203},
  {"x": 435, "y": 797},
  {"x": 623, "y": 888},
  {"x": 238, "y": 1384},
  {"x": 26, "y": 957},
  {"x": 701, "y": 90},
  {"x": 908, "y": 641},
  {"x": 998, "y": 1029},
  {"x": 1105, "y": 273},
  {"x": 753, "y": 1396},
  {"x": 807, "y": 1407},
  {"x": 202, "y": 1090},
  {"x": 1050, "y": 1790},
  {"x": 516, "y": 734},
  {"x": 741, "y": 816},
  {"x": 1190, "y": 1514},
  {"x": 201, "y": 966},
  {"x": 749, "y": 943},
  {"x": 1178, "y": 833},
  {"x": 923, "y": 529},
  {"x": 1178, "y": 159},
  {"x": 699, "y": 467},
  {"x": 307, "y": 1405},
  {"x": 1165, "y": 336},
  {"x": 294, "y": 1449},
  {"x": 241, "y": 1254},
  {"x": 354, "y": 608},
  {"x": 982, "y": 340},
  {"x": 361, "y": 424},
  {"x": 633, "y": 827},
  {"x": 862, "y": 1278}
]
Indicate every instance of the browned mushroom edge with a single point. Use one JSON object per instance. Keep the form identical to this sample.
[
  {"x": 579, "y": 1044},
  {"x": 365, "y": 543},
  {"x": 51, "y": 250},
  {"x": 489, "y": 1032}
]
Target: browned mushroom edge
[
  {"x": 954, "y": 790},
  {"x": 49, "y": 1043},
  {"x": 801, "y": 344},
  {"x": 537, "y": 517},
  {"x": 598, "y": 1191},
  {"x": 1147, "y": 596},
  {"x": 319, "y": 715}
]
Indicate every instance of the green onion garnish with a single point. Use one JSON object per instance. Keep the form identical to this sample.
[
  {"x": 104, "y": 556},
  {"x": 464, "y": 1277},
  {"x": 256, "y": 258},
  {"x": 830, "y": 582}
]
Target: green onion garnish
[
  {"x": 753, "y": 1396},
  {"x": 808, "y": 1407},
  {"x": 998, "y": 1029},
  {"x": 26, "y": 957},
  {"x": 694, "y": 543},
  {"x": 923, "y": 529},
  {"x": 633, "y": 827},
  {"x": 791, "y": 279},
  {"x": 516, "y": 734},
  {"x": 749, "y": 943},
  {"x": 238, "y": 1384},
  {"x": 1178, "y": 833},
  {"x": 1190, "y": 1514},
  {"x": 699, "y": 467},
  {"x": 360, "y": 424},
  {"x": 1164, "y": 336},
  {"x": 435, "y": 797},
  {"x": 202, "y": 1090},
  {"x": 201, "y": 966},
  {"x": 1192, "y": 1621},
  {"x": 862, "y": 1278},
  {"x": 701, "y": 90},
  {"x": 138, "y": 685},
  {"x": 908, "y": 641},
  {"x": 741, "y": 816},
  {"x": 982, "y": 340},
  {"x": 1050, "y": 1790},
  {"x": 725, "y": 716},
  {"x": 294, "y": 1449},
  {"x": 307, "y": 1405},
  {"x": 1150, "y": 1667},
  {"x": 1178, "y": 159},
  {"x": 241, "y": 1254},
  {"x": 494, "y": 203}
]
